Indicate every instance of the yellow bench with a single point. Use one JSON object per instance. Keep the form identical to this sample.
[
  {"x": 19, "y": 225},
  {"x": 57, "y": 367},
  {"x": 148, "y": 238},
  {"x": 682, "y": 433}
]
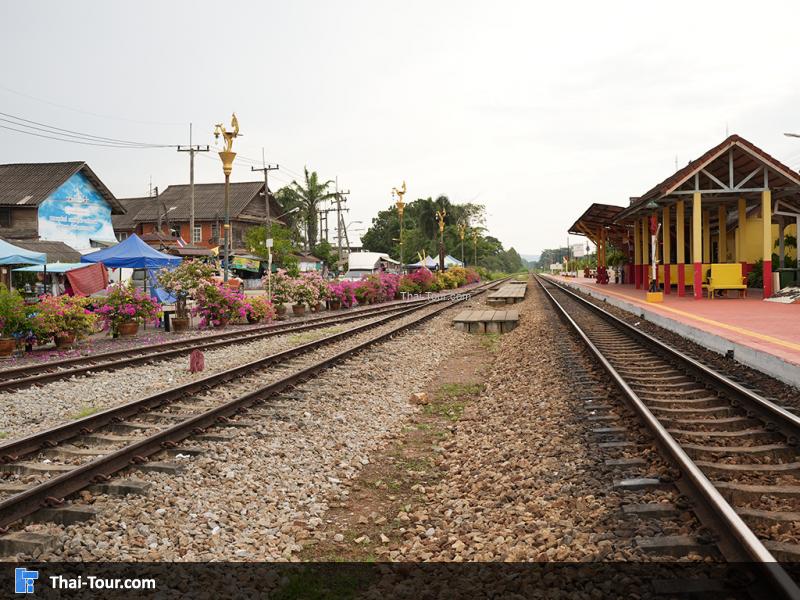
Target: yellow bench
[
  {"x": 688, "y": 274},
  {"x": 726, "y": 277}
]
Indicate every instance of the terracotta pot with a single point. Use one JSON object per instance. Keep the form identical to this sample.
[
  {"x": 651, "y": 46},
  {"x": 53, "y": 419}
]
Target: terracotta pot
[
  {"x": 179, "y": 324},
  {"x": 128, "y": 328},
  {"x": 7, "y": 346},
  {"x": 335, "y": 304},
  {"x": 280, "y": 310},
  {"x": 65, "y": 340},
  {"x": 319, "y": 306},
  {"x": 222, "y": 323},
  {"x": 299, "y": 309}
]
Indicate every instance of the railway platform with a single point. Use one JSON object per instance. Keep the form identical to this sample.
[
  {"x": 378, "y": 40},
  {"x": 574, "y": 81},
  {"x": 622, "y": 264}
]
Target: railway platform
[{"x": 761, "y": 335}]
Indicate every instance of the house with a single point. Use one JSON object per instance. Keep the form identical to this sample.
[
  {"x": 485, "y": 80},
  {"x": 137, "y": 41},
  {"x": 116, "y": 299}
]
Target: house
[
  {"x": 58, "y": 202},
  {"x": 171, "y": 209}
]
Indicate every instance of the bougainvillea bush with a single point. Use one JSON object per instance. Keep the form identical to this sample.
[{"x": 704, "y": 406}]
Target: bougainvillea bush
[
  {"x": 304, "y": 290},
  {"x": 376, "y": 288},
  {"x": 125, "y": 303},
  {"x": 281, "y": 287},
  {"x": 259, "y": 308},
  {"x": 217, "y": 304},
  {"x": 314, "y": 279},
  {"x": 182, "y": 282},
  {"x": 62, "y": 315},
  {"x": 423, "y": 278},
  {"x": 344, "y": 292}
]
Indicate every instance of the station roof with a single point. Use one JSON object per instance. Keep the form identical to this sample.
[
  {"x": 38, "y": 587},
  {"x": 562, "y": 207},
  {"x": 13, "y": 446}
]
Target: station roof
[
  {"x": 735, "y": 168},
  {"x": 599, "y": 216}
]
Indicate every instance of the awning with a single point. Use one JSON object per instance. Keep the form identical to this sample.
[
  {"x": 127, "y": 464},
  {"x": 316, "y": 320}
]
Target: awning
[
  {"x": 14, "y": 255},
  {"x": 246, "y": 264},
  {"x": 51, "y": 268},
  {"x": 132, "y": 253}
]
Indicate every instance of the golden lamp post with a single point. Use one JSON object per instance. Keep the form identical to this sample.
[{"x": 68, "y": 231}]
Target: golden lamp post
[
  {"x": 399, "y": 193},
  {"x": 440, "y": 215},
  {"x": 227, "y": 156},
  {"x": 475, "y": 247},
  {"x": 462, "y": 230}
]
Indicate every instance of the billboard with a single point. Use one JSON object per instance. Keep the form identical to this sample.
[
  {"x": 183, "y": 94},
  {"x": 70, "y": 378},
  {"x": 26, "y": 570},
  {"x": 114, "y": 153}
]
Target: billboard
[{"x": 75, "y": 213}]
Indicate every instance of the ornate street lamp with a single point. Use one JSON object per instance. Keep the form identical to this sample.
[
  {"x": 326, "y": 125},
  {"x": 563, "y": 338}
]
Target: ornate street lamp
[
  {"x": 462, "y": 230},
  {"x": 399, "y": 193},
  {"x": 440, "y": 215},
  {"x": 227, "y": 155}
]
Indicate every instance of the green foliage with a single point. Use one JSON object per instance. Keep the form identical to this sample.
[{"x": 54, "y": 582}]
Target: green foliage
[
  {"x": 13, "y": 313},
  {"x": 285, "y": 241},
  {"x": 183, "y": 280},
  {"x": 325, "y": 252},
  {"x": 308, "y": 196}
]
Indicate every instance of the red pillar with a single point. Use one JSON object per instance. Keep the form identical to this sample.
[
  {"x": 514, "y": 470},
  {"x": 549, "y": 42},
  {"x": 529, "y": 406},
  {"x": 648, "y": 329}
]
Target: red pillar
[
  {"x": 681, "y": 279},
  {"x": 637, "y": 276},
  {"x": 767, "y": 274},
  {"x": 667, "y": 281},
  {"x": 698, "y": 281}
]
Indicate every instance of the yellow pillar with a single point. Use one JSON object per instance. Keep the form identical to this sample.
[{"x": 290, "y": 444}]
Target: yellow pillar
[
  {"x": 742, "y": 209},
  {"x": 680, "y": 252},
  {"x": 722, "y": 244},
  {"x": 706, "y": 236},
  {"x": 766, "y": 234},
  {"x": 637, "y": 256},
  {"x": 697, "y": 244}
]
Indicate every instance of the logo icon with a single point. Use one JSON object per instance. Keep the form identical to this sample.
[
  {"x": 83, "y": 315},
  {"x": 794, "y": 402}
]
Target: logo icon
[{"x": 23, "y": 580}]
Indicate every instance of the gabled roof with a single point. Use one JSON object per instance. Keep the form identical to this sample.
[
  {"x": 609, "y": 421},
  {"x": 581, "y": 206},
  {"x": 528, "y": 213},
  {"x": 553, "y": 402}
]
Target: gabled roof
[
  {"x": 747, "y": 157},
  {"x": 29, "y": 184},
  {"x": 55, "y": 251},
  {"x": 132, "y": 206},
  {"x": 209, "y": 201}
]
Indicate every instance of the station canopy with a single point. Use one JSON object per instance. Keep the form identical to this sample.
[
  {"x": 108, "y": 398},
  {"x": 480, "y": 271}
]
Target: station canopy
[
  {"x": 133, "y": 253},
  {"x": 598, "y": 217}
]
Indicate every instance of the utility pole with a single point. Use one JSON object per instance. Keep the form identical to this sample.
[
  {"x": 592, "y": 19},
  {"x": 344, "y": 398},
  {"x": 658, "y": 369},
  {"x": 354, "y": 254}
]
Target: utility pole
[
  {"x": 340, "y": 220},
  {"x": 268, "y": 221},
  {"x": 191, "y": 150}
]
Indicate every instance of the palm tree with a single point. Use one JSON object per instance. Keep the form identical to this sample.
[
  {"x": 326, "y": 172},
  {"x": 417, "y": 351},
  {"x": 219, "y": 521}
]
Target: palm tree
[{"x": 308, "y": 197}]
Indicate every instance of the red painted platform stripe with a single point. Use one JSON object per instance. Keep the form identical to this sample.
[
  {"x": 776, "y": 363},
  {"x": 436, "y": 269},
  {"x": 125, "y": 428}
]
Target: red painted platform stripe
[
  {"x": 637, "y": 276},
  {"x": 698, "y": 280},
  {"x": 681, "y": 279}
]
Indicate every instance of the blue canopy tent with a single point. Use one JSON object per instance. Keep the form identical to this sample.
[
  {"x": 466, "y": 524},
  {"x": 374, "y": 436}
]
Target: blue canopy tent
[
  {"x": 14, "y": 255},
  {"x": 452, "y": 261},
  {"x": 133, "y": 253},
  {"x": 51, "y": 268}
]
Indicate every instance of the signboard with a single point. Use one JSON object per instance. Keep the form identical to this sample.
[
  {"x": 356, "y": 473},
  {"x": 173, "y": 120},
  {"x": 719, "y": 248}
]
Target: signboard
[
  {"x": 75, "y": 213},
  {"x": 246, "y": 264}
]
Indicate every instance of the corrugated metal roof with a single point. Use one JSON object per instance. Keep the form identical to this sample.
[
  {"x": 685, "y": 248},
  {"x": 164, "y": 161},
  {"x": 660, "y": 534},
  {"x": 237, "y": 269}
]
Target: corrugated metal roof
[
  {"x": 209, "y": 201},
  {"x": 56, "y": 251},
  {"x": 29, "y": 184},
  {"x": 132, "y": 206}
]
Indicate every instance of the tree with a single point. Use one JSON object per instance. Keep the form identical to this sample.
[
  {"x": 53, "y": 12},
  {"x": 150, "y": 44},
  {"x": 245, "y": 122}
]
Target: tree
[
  {"x": 308, "y": 197},
  {"x": 284, "y": 242}
]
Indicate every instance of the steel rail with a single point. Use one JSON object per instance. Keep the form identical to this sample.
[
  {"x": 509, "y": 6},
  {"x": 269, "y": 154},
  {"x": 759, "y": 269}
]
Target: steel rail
[
  {"x": 53, "y": 491},
  {"x": 170, "y": 349},
  {"x": 740, "y": 539}
]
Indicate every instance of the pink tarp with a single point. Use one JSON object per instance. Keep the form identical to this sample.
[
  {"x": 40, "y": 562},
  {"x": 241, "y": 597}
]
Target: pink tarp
[{"x": 88, "y": 280}]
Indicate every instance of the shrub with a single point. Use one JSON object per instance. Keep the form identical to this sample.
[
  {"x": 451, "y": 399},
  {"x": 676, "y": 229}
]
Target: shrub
[
  {"x": 14, "y": 322},
  {"x": 281, "y": 287},
  {"x": 259, "y": 308},
  {"x": 423, "y": 278},
  {"x": 183, "y": 281},
  {"x": 315, "y": 280},
  {"x": 218, "y": 304},
  {"x": 408, "y": 285},
  {"x": 125, "y": 303},
  {"x": 459, "y": 274},
  {"x": 304, "y": 291},
  {"x": 344, "y": 292},
  {"x": 58, "y": 315}
]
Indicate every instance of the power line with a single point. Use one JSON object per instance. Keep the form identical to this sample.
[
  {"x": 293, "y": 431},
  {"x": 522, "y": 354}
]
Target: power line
[{"x": 60, "y": 139}]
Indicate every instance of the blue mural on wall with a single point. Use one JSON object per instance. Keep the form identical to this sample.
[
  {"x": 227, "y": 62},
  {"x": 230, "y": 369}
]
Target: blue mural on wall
[{"x": 75, "y": 213}]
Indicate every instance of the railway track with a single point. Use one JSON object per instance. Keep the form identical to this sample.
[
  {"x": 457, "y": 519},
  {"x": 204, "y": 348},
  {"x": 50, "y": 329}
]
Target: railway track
[
  {"x": 34, "y": 374},
  {"x": 736, "y": 452},
  {"x": 42, "y": 469}
]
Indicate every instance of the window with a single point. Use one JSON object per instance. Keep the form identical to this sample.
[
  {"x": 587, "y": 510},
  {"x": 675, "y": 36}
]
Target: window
[
  {"x": 197, "y": 234},
  {"x": 5, "y": 217},
  {"x": 215, "y": 230}
]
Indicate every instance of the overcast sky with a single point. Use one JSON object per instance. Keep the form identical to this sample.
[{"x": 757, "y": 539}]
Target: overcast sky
[{"x": 533, "y": 109}]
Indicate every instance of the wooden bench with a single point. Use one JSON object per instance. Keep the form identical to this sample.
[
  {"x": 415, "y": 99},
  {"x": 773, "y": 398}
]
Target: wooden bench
[
  {"x": 486, "y": 321},
  {"x": 507, "y": 294},
  {"x": 726, "y": 276}
]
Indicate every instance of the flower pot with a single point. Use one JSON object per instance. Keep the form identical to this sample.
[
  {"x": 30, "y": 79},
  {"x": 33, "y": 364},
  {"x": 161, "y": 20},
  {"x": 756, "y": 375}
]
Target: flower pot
[
  {"x": 335, "y": 304},
  {"x": 128, "y": 328},
  {"x": 222, "y": 323},
  {"x": 319, "y": 306},
  {"x": 7, "y": 346},
  {"x": 280, "y": 310},
  {"x": 299, "y": 309},
  {"x": 179, "y": 324},
  {"x": 65, "y": 340}
]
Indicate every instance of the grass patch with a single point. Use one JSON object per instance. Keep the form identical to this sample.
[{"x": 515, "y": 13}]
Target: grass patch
[
  {"x": 489, "y": 341},
  {"x": 447, "y": 410},
  {"x": 312, "y": 336},
  {"x": 85, "y": 412},
  {"x": 456, "y": 390},
  {"x": 3, "y": 435}
]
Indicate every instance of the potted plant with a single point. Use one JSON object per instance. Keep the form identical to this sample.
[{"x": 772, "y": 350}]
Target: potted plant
[
  {"x": 303, "y": 292},
  {"x": 13, "y": 320},
  {"x": 182, "y": 283},
  {"x": 315, "y": 281},
  {"x": 124, "y": 307},
  {"x": 281, "y": 290},
  {"x": 259, "y": 308},
  {"x": 343, "y": 293},
  {"x": 66, "y": 319},
  {"x": 217, "y": 304}
]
